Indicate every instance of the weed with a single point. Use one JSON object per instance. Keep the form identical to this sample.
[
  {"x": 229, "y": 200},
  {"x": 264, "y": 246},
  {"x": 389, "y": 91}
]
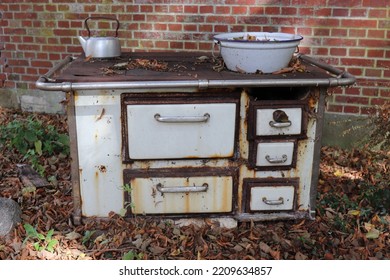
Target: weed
[
  {"x": 126, "y": 188},
  {"x": 131, "y": 255},
  {"x": 42, "y": 242},
  {"x": 87, "y": 236},
  {"x": 32, "y": 139}
]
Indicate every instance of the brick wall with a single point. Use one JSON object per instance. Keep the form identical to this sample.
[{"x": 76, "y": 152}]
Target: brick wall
[{"x": 349, "y": 34}]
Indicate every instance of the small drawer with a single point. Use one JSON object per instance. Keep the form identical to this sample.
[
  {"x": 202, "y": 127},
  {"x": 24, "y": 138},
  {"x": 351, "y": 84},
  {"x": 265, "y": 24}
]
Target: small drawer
[
  {"x": 270, "y": 119},
  {"x": 280, "y": 121},
  {"x": 181, "y": 191},
  {"x": 270, "y": 194},
  {"x": 275, "y": 155},
  {"x": 272, "y": 198}
]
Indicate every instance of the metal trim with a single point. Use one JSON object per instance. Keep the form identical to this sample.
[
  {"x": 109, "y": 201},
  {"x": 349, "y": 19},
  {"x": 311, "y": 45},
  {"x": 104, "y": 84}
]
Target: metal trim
[{"x": 342, "y": 78}]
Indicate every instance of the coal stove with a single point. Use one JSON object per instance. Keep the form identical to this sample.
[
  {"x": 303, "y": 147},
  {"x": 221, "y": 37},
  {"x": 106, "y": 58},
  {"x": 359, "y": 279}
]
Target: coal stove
[{"x": 175, "y": 135}]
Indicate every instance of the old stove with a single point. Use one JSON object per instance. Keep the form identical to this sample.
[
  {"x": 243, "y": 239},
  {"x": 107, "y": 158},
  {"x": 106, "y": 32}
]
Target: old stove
[{"x": 182, "y": 140}]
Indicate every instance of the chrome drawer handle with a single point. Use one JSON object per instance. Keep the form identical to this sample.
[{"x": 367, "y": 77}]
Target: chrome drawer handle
[
  {"x": 276, "y": 160},
  {"x": 182, "y": 119},
  {"x": 162, "y": 189},
  {"x": 280, "y": 201},
  {"x": 280, "y": 124}
]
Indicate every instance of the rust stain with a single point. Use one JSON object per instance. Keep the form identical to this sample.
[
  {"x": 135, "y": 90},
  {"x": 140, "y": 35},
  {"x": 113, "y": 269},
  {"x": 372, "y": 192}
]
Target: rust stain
[
  {"x": 101, "y": 115},
  {"x": 102, "y": 168}
]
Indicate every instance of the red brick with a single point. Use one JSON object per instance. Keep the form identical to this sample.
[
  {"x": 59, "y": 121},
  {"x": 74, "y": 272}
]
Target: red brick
[
  {"x": 340, "y": 12},
  {"x": 377, "y": 13},
  {"x": 375, "y": 3},
  {"x": 370, "y": 92},
  {"x": 175, "y": 27},
  {"x": 146, "y": 9},
  {"x": 358, "y": 12},
  {"x": 321, "y": 31},
  {"x": 374, "y": 33},
  {"x": 339, "y": 42},
  {"x": 334, "y": 108},
  {"x": 323, "y": 12},
  {"x": 345, "y": 3},
  {"x": 239, "y": 10},
  {"x": 176, "y": 45},
  {"x": 373, "y": 43},
  {"x": 272, "y": 10},
  {"x": 206, "y": 9},
  {"x": 338, "y": 51},
  {"x": 289, "y": 11},
  {"x": 383, "y": 63},
  {"x": 358, "y": 61},
  {"x": 356, "y": 52},
  {"x": 351, "y": 110},
  {"x": 223, "y": 10},
  {"x": 376, "y": 53},
  {"x": 193, "y": 9},
  {"x": 363, "y": 23},
  {"x": 352, "y": 99},
  {"x": 385, "y": 93},
  {"x": 375, "y": 73}
]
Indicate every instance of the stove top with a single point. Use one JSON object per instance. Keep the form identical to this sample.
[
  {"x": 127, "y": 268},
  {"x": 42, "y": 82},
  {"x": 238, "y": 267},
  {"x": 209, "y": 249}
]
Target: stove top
[{"x": 173, "y": 66}]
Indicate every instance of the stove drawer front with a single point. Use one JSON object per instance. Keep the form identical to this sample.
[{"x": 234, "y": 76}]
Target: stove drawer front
[
  {"x": 269, "y": 198},
  {"x": 275, "y": 154},
  {"x": 282, "y": 121},
  {"x": 174, "y": 131},
  {"x": 182, "y": 195},
  {"x": 270, "y": 194}
]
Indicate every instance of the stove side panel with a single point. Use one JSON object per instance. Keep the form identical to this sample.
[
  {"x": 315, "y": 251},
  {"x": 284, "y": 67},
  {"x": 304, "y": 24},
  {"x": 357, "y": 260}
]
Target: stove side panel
[{"x": 98, "y": 128}]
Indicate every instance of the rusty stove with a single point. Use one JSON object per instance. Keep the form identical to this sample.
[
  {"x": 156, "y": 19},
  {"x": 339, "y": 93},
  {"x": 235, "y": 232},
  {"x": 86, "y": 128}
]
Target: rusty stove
[{"x": 184, "y": 140}]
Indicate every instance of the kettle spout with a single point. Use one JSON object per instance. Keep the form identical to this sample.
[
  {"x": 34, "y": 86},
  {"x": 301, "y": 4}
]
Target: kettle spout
[{"x": 83, "y": 42}]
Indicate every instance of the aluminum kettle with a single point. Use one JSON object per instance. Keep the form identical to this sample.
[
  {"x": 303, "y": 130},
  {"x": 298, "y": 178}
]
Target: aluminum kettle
[{"x": 100, "y": 47}]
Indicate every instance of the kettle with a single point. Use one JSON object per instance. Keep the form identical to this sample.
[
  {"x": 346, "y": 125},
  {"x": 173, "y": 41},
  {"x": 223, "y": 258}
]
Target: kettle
[{"x": 100, "y": 47}]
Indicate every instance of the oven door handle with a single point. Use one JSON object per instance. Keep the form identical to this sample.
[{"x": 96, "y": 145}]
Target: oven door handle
[
  {"x": 180, "y": 189},
  {"x": 182, "y": 119}
]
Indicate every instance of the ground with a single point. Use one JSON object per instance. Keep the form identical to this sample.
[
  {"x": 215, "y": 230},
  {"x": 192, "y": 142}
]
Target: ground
[{"x": 352, "y": 216}]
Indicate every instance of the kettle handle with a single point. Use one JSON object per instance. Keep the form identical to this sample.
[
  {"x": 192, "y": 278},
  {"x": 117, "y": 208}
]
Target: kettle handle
[{"x": 97, "y": 18}]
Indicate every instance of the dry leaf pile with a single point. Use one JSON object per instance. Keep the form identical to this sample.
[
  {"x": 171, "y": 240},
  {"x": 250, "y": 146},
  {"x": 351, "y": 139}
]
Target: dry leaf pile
[{"x": 352, "y": 220}]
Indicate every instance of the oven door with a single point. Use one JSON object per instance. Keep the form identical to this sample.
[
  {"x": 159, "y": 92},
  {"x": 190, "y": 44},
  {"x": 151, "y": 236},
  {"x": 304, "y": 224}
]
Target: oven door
[
  {"x": 177, "y": 131},
  {"x": 181, "y": 191}
]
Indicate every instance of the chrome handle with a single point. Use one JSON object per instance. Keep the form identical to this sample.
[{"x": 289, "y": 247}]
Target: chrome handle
[
  {"x": 283, "y": 159},
  {"x": 280, "y": 201},
  {"x": 280, "y": 124},
  {"x": 162, "y": 189},
  {"x": 182, "y": 119}
]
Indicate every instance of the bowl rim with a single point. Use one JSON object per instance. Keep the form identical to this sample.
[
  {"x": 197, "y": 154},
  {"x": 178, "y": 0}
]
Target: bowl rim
[{"x": 297, "y": 37}]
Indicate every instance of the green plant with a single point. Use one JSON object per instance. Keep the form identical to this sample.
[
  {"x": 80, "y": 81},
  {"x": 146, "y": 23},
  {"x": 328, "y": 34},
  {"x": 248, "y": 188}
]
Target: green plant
[
  {"x": 126, "y": 188},
  {"x": 32, "y": 139},
  {"x": 131, "y": 255},
  {"x": 42, "y": 242},
  {"x": 87, "y": 236}
]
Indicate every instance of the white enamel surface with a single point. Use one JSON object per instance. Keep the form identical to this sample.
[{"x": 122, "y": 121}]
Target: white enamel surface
[
  {"x": 272, "y": 194},
  {"x": 98, "y": 125},
  {"x": 275, "y": 151},
  {"x": 271, "y": 51},
  {"x": 146, "y": 199},
  {"x": 265, "y": 116},
  {"x": 150, "y": 139}
]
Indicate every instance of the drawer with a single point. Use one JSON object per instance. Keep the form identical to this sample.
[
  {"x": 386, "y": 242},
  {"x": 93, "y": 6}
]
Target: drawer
[
  {"x": 279, "y": 121},
  {"x": 272, "y": 198},
  {"x": 177, "y": 131},
  {"x": 185, "y": 193},
  {"x": 273, "y": 155},
  {"x": 270, "y": 194}
]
